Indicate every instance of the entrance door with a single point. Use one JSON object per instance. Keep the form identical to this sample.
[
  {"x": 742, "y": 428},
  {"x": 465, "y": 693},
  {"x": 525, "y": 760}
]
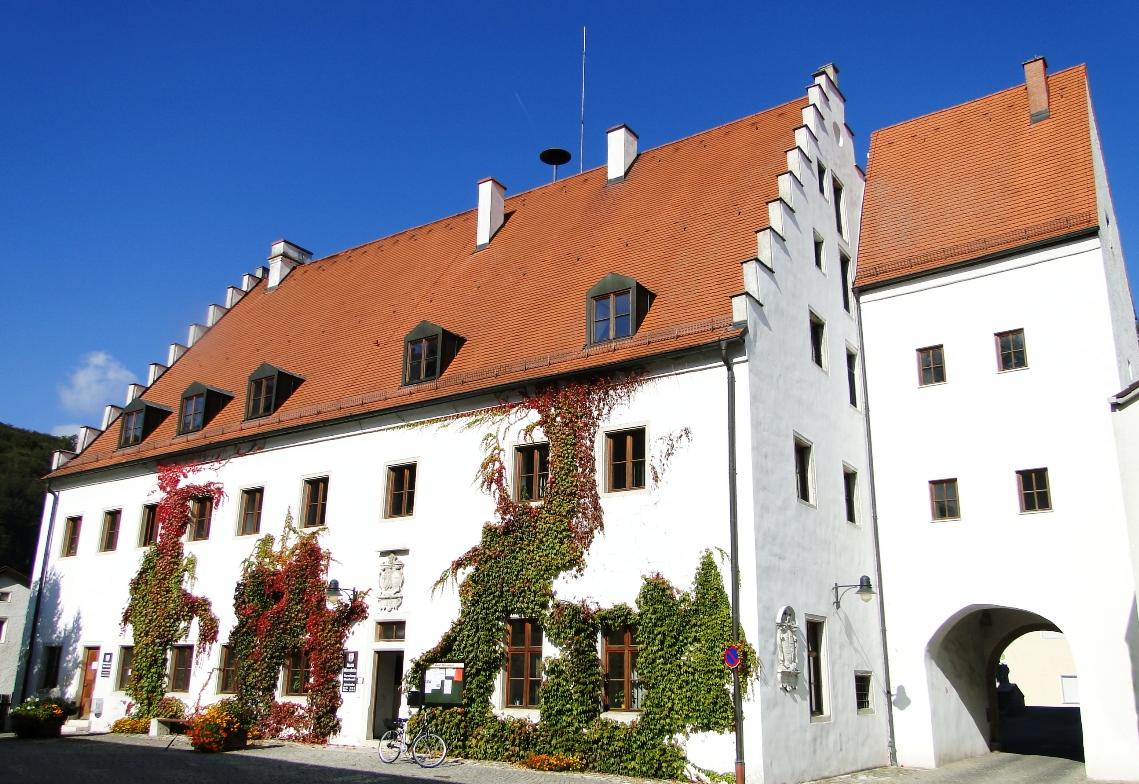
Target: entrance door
[
  {"x": 386, "y": 682},
  {"x": 90, "y": 675}
]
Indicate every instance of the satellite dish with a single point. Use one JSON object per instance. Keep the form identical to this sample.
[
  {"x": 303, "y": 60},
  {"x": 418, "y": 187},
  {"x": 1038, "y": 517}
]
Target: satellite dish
[{"x": 555, "y": 156}]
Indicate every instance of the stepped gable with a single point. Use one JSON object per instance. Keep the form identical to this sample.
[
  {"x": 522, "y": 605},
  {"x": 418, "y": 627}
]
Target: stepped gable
[
  {"x": 976, "y": 180},
  {"x": 680, "y": 223}
]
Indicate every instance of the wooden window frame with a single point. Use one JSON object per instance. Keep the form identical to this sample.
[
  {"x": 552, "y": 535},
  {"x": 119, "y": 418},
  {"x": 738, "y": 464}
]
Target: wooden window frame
[
  {"x": 261, "y": 396},
  {"x": 109, "y": 536},
  {"x": 1034, "y": 491},
  {"x": 529, "y": 460},
  {"x": 192, "y": 414},
  {"x": 628, "y": 466},
  {"x": 934, "y": 366},
  {"x": 1012, "y": 351},
  {"x": 804, "y": 456},
  {"x": 298, "y": 663},
  {"x": 125, "y": 668},
  {"x": 133, "y": 427},
  {"x": 401, "y": 502},
  {"x": 629, "y": 685},
  {"x": 428, "y": 367},
  {"x": 532, "y": 629},
  {"x": 227, "y": 670},
  {"x": 863, "y": 697},
  {"x": 72, "y": 528},
  {"x": 398, "y": 629},
  {"x": 818, "y": 334},
  {"x": 850, "y": 494},
  {"x": 816, "y": 636},
  {"x": 611, "y": 320},
  {"x": 148, "y": 526},
  {"x": 309, "y": 517},
  {"x": 247, "y": 514},
  {"x": 947, "y": 484},
  {"x": 181, "y": 665},
  {"x": 200, "y": 521}
]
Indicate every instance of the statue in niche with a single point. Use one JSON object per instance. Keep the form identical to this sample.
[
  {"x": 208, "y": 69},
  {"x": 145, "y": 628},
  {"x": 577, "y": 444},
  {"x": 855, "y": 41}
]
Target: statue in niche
[
  {"x": 787, "y": 642},
  {"x": 390, "y": 595}
]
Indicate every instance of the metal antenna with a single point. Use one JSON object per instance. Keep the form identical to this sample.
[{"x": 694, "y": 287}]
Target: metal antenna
[{"x": 581, "y": 136}]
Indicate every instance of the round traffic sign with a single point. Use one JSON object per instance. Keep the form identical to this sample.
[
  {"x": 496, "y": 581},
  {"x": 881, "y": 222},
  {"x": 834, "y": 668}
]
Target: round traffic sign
[{"x": 732, "y": 657}]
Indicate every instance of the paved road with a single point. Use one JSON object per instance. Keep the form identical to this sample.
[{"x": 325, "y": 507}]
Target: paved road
[{"x": 131, "y": 759}]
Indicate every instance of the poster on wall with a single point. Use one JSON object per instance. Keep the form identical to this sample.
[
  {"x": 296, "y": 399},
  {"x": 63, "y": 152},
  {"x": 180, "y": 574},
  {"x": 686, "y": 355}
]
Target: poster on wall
[
  {"x": 348, "y": 675},
  {"x": 443, "y": 684}
]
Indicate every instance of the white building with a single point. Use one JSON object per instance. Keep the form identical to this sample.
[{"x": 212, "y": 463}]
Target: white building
[
  {"x": 733, "y": 251},
  {"x": 13, "y": 609},
  {"x": 998, "y": 325}
]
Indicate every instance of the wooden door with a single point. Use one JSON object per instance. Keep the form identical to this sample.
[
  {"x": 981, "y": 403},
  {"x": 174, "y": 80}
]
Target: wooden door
[{"x": 90, "y": 675}]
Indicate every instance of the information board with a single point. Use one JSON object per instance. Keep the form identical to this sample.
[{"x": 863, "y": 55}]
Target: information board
[{"x": 443, "y": 684}]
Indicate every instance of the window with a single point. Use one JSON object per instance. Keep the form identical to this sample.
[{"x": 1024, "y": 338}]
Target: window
[
  {"x": 139, "y": 419},
  {"x": 388, "y": 631},
  {"x": 201, "y": 512},
  {"x": 523, "y": 662},
  {"x": 822, "y": 171},
  {"x": 181, "y": 660},
  {"x": 131, "y": 428},
  {"x": 1032, "y": 484},
  {"x": 931, "y": 365},
  {"x": 148, "y": 528},
  {"x": 818, "y": 341},
  {"x": 261, "y": 392},
  {"x": 815, "y": 668},
  {"x": 852, "y": 377},
  {"x": 804, "y": 469},
  {"x": 1011, "y": 354},
  {"x": 943, "y": 499},
  {"x": 298, "y": 673},
  {"x": 126, "y": 663},
  {"x": 110, "y": 538},
  {"x": 531, "y": 471},
  {"x": 625, "y": 459},
  {"x": 315, "y": 502},
  {"x": 1069, "y": 690},
  {"x": 844, "y": 275},
  {"x": 862, "y": 692},
  {"x": 612, "y": 316},
  {"x": 3, "y": 629},
  {"x": 269, "y": 388},
  {"x": 193, "y": 412},
  {"x": 401, "y": 490},
  {"x": 819, "y": 248},
  {"x": 422, "y": 359},
  {"x": 227, "y": 671},
  {"x": 839, "y": 207},
  {"x": 622, "y": 689},
  {"x": 53, "y": 654},
  {"x": 850, "y": 491},
  {"x": 250, "y": 522},
  {"x": 5, "y": 597},
  {"x": 71, "y": 536}
]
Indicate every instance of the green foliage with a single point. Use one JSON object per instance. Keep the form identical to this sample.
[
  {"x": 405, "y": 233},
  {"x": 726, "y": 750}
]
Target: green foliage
[
  {"x": 131, "y": 725},
  {"x": 570, "y": 696},
  {"x": 170, "y": 708},
  {"x": 709, "y": 699},
  {"x": 631, "y": 750},
  {"x": 25, "y": 456}
]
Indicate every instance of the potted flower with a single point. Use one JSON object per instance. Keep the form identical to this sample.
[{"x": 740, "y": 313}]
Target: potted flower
[
  {"x": 220, "y": 727},
  {"x": 38, "y": 717}
]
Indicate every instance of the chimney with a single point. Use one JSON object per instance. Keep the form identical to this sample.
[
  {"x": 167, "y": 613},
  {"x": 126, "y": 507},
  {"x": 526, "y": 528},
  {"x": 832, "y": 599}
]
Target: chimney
[
  {"x": 491, "y": 214},
  {"x": 622, "y": 151},
  {"x": 86, "y": 435},
  {"x": 1036, "y": 80},
  {"x": 830, "y": 70},
  {"x": 284, "y": 256},
  {"x": 155, "y": 370},
  {"x": 133, "y": 391},
  {"x": 110, "y": 414},
  {"x": 176, "y": 351}
]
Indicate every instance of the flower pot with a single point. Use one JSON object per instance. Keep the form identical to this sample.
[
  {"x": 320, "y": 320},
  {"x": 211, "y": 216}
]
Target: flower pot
[
  {"x": 30, "y": 727},
  {"x": 236, "y": 740}
]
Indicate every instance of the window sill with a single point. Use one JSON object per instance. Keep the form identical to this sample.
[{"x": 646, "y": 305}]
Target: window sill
[
  {"x": 823, "y": 719},
  {"x": 621, "y": 716},
  {"x": 398, "y": 518},
  {"x": 1001, "y": 372},
  {"x": 628, "y": 491},
  {"x": 865, "y": 711},
  {"x": 810, "y": 504},
  {"x": 1035, "y": 511},
  {"x": 932, "y": 384},
  {"x": 946, "y": 520}
]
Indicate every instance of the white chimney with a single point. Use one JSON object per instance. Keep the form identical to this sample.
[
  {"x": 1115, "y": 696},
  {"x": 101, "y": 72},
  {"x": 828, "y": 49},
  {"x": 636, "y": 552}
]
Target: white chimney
[
  {"x": 110, "y": 414},
  {"x": 1036, "y": 80},
  {"x": 60, "y": 457},
  {"x": 176, "y": 350},
  {"x": 195, "y": 333},
  {"x": 830, "y": 70},
  {"x": 86, "y": 435},
  {"x": 214, "y": 314},
  {"x": 492, "y": 211},
  {"x": 133, "y": 391},
  {"x": 155, "y": 370},
  {"x": 284, "y": 256},
  {"x": 233, "y": 295},
  {"x": 622, "y": 151}
]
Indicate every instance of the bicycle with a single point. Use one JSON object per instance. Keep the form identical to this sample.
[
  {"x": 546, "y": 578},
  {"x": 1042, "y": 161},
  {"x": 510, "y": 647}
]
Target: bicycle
[{"x": 426, "y": 748}]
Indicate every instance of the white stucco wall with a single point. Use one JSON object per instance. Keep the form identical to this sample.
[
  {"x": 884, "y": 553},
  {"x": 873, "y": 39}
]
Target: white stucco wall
[
  {"x": 11, "y": 644},
  {"x": 1070, "y": 565}
]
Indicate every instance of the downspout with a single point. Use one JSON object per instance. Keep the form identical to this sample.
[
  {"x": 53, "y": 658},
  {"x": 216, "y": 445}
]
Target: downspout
[
  {"x": 737, "y": 698},
  {"x": 891, "y": 742},
  {"x": 46, "y": 546}
]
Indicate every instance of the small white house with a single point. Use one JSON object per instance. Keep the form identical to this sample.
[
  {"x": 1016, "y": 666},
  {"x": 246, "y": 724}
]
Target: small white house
[{"x": 13, "y": 608}]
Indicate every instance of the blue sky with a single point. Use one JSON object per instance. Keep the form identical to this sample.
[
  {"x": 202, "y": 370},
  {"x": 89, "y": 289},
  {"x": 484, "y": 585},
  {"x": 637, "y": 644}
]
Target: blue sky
[{"x": 150, "y": 152}]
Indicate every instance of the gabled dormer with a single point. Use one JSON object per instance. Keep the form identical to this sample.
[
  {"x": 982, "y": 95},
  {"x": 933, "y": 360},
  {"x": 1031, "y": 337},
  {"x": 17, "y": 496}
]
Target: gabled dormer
[
  {"x": 200, "y": 404},
  {"x": 269, "y": 388},
  {"x": 138, "y": 420},
  {"x": 614, "y": 308},
  {"x": 427, "y": 351}
]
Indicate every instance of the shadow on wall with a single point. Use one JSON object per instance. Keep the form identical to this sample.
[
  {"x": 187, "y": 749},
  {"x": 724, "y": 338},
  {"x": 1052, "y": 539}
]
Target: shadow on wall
[
  {"x": 53, "y": 629},
  {"x": 1132, "y": 639}
]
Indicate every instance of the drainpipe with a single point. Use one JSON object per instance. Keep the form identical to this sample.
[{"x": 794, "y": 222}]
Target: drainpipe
[
  {"x": 737, "y": 699},
  {"x": 891, "y": 742},
  {"x": 39, "y": 594}
]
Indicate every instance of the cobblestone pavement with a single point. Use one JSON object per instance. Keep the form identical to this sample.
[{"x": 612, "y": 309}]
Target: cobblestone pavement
[{"x": 132, "y": 759}]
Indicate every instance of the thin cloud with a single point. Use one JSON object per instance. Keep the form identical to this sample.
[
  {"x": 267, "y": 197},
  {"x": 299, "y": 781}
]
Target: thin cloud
[
  {"x": 65, "y": 430},
  {"x": 99, "y": 379}
]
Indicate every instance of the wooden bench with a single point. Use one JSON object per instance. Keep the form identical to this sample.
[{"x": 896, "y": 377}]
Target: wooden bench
[{"x": 168, "y": 727}]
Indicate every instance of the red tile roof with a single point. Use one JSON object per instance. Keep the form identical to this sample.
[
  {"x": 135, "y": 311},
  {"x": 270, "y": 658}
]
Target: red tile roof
[
  {"x": 977, "y": 179},
  {"x": 681, "y": 223}
]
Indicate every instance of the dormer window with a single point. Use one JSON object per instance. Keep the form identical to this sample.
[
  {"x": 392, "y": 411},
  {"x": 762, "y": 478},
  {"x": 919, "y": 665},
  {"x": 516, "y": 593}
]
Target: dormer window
[
  {"x": 200, "y": 404},
  {"x": 427, "y": 350},
  {"x": 269, "y": 388},
  {"x": 139, "y": 419},
  {"x": 615, "y": 308}
]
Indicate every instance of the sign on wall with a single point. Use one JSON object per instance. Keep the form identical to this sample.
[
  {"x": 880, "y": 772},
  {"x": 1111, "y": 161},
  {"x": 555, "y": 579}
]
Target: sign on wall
[
  {"x": 105, "y": 667},
  {"x": 348, "y": 676},
  {"x": 443, "y": 684}
]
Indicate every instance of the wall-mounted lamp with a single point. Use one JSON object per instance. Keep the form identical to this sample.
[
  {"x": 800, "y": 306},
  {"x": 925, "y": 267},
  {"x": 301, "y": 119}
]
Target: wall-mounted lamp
[
  {"x": 334, "y": 591},
  {"x": 865, "y": 590}
]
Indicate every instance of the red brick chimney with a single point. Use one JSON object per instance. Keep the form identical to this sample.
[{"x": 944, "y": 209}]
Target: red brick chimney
[{"x": 1036, "y": 80}]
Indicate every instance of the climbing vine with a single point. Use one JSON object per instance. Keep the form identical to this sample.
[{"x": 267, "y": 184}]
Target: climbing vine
[
  {"x": 281, "y": 608},
  {"x": 161, "y": 609}
]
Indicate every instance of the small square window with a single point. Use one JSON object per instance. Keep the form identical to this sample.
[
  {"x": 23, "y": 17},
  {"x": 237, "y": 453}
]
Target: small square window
[
  {"x": 201, "y": 513},
  {"x": 193, "y": 413},
  {"x": 523, "y": 662},
  {"x": 126, "y": 667},
  {"x": 818, "y": 341},
  {"x": 625, "y": 452},
  {"x": 181, "y": 662},
  {"x": 1032, "y": 484},
  {"x": 71, "y": 536},
  {"x": 804, "y": 471},
  {"x": 110, "y": 538},
  {"x": 613, "y": 316},
  {"x": 422, "y": 359},
  {"x": 819, "y": 250},
  {"x": 531, "y": 471},
  {"x": 131, "y": 433},
  {"x": 844, "y": 275},
  {"x": 852, "y": 377},
  {"x": 227, "y": 671},
  {"x": 1011, "y": 353},
  {"x": 931, "y": 365},
  {"x": 850, "y": 492},
  {"x": 5, "y": 597},
  {"x": 251, "y": 501},
  {"x": 390, "y": 631},
  {"x": 148, "y": 527},
  {"x": 298, "y": 673},
  {"x": 943, "y": 499},
  {"x": 401, "y": 490},
  {"x": 261, "y": 392},
  {"x": 315, "y": 502},
  {"x": 862, "y": 692}
]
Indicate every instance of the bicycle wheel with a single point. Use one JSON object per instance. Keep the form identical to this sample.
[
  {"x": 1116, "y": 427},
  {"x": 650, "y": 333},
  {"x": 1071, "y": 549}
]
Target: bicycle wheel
[
  {"x": 390, "y": 746},
  {"x": 429, "y": 750}
]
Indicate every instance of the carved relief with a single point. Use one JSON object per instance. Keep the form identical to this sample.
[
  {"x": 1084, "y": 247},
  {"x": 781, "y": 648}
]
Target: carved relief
[
  {"x": 390, "y": 596},
  {"x": 787, "y": 641}
]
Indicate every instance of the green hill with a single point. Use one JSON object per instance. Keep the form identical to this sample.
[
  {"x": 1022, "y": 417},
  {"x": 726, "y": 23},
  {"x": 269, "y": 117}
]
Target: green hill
[{"x": 25, "y": 456}]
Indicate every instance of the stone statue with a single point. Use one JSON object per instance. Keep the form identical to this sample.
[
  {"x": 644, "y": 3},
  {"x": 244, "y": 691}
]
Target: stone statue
[
  {"x": 787, "y": 641},
  {"x": 390, "y": 595}
]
